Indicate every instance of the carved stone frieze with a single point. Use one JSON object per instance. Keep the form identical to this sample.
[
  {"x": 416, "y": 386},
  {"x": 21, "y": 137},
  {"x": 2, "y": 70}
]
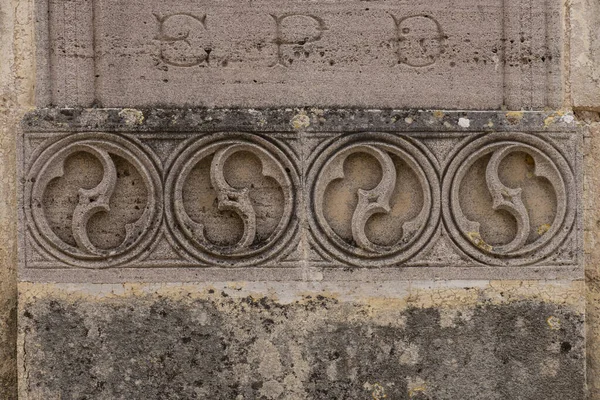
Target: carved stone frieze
[{"x": 303, "y": 203}]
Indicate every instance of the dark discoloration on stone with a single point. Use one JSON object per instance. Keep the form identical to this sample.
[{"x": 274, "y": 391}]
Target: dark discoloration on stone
[
  {"x": 292, "y": 119},
  {"x": 228, "y": 348}
]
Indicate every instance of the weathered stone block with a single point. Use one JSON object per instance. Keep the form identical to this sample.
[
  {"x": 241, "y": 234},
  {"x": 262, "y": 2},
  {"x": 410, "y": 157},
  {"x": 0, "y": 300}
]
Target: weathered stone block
[
  {"x": 387, "y": 340},
  {"x": 585, "y": 54},
  {"x": 479, "y": 54},
  {"x": 418, "y": 195}
]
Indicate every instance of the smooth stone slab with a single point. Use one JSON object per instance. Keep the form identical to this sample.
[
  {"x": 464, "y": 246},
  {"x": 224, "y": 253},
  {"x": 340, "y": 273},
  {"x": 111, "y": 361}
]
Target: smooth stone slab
[{"x": 473, "y": 54}]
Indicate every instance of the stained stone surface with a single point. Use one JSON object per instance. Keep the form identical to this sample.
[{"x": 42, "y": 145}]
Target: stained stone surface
[
  {"x": 300, "y": 197},
  {"x": 472, "y": 54},
  {"x": 304, "y": 253},
  {"x": 17, "y": 79},
  {"x": 585, "y": 54},
  {"x": 469, "y": 340}
]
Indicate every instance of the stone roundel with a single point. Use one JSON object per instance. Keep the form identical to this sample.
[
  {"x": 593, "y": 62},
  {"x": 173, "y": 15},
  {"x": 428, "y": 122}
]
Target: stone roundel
[
  {"x": 215, "y": 152},
  {"x": 387, "y": 150},
  {"x": 90, "y": 202},
  {"x": 547, "y": 164}
]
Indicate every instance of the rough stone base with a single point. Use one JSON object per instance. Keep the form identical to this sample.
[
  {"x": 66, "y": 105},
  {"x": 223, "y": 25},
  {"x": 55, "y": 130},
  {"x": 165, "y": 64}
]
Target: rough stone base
[{"x": 460, "y": 340}]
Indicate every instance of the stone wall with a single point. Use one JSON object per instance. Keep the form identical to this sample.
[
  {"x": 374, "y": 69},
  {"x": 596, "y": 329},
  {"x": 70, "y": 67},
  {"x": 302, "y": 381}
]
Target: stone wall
[
  {"x": 305, "y": 250},
  {"x": 17, "y": 96},
  {"x": 585, "y": 59},
  {"x": 304, "y": 340}
]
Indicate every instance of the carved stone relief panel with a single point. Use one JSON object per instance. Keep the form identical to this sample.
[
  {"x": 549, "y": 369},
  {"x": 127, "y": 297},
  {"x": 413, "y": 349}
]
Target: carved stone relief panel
[
  {"x": 481, "y": 54},
  {"x": 301, "y": 203},
  {"x": 509, "y": 200}
]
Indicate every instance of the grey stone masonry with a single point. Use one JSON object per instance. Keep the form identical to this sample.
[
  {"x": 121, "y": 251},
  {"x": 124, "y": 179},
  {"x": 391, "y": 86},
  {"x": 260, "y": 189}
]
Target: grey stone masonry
[
  {"x": 117, "y": 195},
  {"x": 232, "y": 343}
]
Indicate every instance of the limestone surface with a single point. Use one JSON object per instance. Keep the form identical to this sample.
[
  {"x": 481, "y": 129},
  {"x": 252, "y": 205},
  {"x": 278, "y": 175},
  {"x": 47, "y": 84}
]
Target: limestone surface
[
  {"x": 310, "y": 231},
  {"x": 17, "y": 78},
  {"x": 309, "y": 196},
  {"x": 459, "y": 340},
  {"x": 475, "y": 54},
  {"x": 585, "y": 54}
]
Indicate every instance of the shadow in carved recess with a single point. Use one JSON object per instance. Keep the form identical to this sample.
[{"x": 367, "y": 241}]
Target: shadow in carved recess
[
  {"x": 106, "y": 230},
  {"x": 243, "y": 172},
  {"x": 362, "y": 171}
]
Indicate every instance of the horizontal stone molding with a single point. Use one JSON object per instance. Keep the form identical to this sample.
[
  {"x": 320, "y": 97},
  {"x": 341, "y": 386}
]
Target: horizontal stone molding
[
  {"x": 308, "y": 201},
  {"x": 481, "y": 54}
]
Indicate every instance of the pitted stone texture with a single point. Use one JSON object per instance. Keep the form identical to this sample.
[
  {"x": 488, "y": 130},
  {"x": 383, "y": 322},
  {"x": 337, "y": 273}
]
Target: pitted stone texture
[
  {"x": 311, "y": 119},
  {"x": 223, "y": 345},
  {"x": 585, "y": 54},
  {"x": 482, "y": 54},
  {"x": 303, "y": 203},
  {"x": 17, "y": 80},
  {"x": 592, "y": 250}
]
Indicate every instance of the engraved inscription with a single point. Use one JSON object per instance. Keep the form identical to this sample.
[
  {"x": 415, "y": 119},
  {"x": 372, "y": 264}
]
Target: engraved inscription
[
  {"x": 388, "y": 188},
  {"x": 420, "y": 40},
  {"x": 182, "y": 40},
  {"x": 510, "y": 201},
  {"x": 232, "y": 200},
  {"x": 94, "y": 202},
  {"x": 231, "y": 54},
  {"x": 297, "y": 30}
]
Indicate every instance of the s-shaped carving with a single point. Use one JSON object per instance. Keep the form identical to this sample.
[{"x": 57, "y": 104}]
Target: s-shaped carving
[
  {"x": 183, "y": 41},
  {"x": 370, "y": 202},
  {"x": 507, "y": 199},
  {"x": 230, "y": 198},
  {"x": 93, "y": 201},
  {"x": 238, "y": 199},
  {"x": 388, "y": 221},
  {"x": 67, "y": 234},
  {"x": 538, "y": 231},
  {"x": 220, "y": 180}
]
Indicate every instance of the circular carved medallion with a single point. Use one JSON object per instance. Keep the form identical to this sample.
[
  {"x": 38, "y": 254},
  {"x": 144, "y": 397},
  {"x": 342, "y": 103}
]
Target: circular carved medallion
[
  {"x": 374, "y": 199},
  {"x": 509, "y": 199},
  {"x": 93, "y": 200},
  {"x": 232, "y": 199}
]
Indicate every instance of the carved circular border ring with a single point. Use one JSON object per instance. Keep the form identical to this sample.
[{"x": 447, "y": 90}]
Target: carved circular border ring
[
  {"x": 420, "y": 165},
  {"x": 192, "y": 152},
  {"x": 112, "y": 144},
  {"x": 530, "y": 253}
]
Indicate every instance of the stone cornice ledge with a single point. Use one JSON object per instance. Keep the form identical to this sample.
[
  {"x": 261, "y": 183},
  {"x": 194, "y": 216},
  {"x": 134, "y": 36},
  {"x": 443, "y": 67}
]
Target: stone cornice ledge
[{"x": 293, "y": 119}]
